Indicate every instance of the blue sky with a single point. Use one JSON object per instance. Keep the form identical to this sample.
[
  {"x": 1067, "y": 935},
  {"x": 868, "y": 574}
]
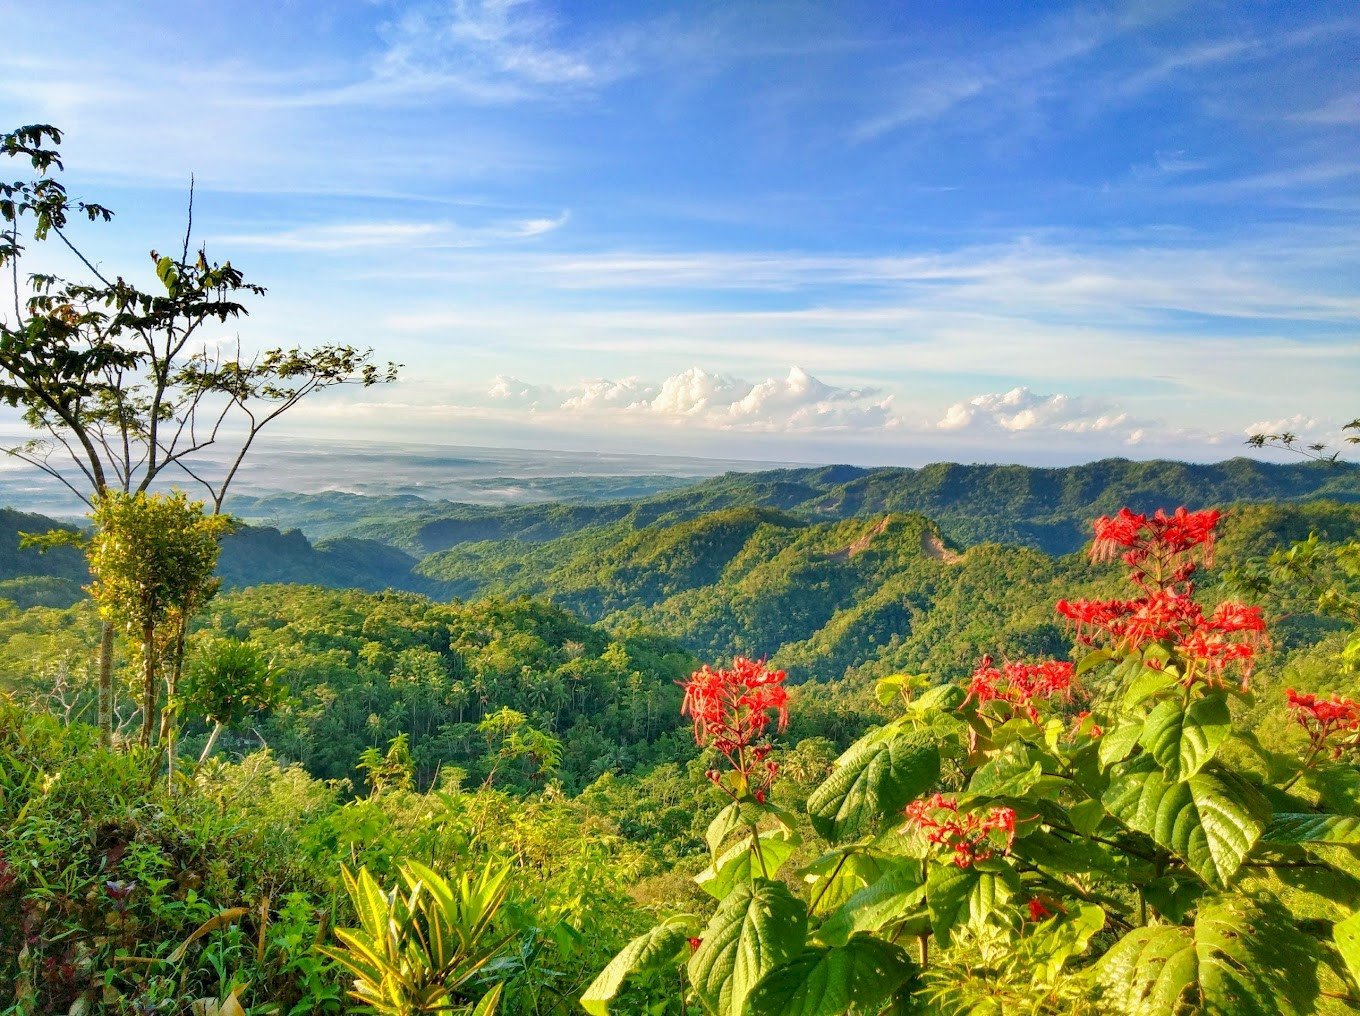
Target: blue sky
[{"x": 871, "y": 232}]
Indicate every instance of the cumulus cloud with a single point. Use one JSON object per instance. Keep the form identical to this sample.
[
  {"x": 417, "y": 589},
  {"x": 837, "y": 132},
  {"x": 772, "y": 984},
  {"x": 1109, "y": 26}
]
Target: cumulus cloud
[
  {"x": 1023, "y": 411},
  {"x": 795, "y": 402},
  {"x": 508, "y": 391}
]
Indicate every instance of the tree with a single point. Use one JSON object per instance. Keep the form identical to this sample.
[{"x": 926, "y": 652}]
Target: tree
[
  {"x": 114, "y": 379},
  {"x": 227, "y": 681},
  {"x": 152, "y": 557}
]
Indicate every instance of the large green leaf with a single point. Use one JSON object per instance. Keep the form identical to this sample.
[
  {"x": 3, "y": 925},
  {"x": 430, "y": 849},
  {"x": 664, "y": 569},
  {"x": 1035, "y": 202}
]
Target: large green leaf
[
  {"x": 739, "y": 863},
  {"x": 1117, "y": 743},
  {"x": 1305, "y": 827},
  {"x": 829, "y": 981},
  {"x": 955, "y": 895},
  {"x": 896, "y": 895},
  {"x": 1211, "y": 820},
  {"x": 1237, "y": 960},
  {"x": 737, "y": 815},
  {"x": 660, "y": 948},
  {"x": 756, "y": 928},
  {"x": 1346, "y": 935},
  {"x": 876, "y": 777},
  {"x": 1183, "y": 740}
]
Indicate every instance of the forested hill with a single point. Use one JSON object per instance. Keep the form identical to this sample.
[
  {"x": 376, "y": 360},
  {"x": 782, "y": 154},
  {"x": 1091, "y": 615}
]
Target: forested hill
[{"x": 1046, "y": 508}]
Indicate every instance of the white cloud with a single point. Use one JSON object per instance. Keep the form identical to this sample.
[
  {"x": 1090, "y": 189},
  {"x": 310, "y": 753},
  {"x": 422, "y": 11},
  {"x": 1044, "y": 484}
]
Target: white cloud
[
  {"x": 797, "y": 402},
  {"x": 1023, "y": 411},
  {"x": 505, "y": 390},
  {"x": 602, "y": 394},
  {"x": 488, "y": 51},
  {"x": 694, "y": 391},
  {"x": 362, "y": 236}
]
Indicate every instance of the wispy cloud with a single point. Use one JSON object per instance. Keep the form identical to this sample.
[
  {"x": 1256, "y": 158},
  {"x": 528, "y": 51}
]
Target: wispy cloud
[
  {"x": 366, "y": 236},
  {"x": 1343, "y": 110}
]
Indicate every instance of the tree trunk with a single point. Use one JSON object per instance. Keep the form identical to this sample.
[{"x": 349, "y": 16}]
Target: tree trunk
[
  {"x": 106, "y": 684},
  {"x": 148, "y": 684},
  {"x": 212, "y": 742},
  {"x": 168, "y": 731}
]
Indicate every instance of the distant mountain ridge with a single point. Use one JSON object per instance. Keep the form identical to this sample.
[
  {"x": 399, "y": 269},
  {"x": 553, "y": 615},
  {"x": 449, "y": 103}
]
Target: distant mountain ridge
[
  {"x": 826, "y": 569},
  {"x": 1046, "y": 508}
]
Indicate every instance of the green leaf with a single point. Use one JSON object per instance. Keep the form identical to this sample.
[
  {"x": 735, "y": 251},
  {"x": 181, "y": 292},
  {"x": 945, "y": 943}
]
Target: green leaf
[
  {"x": 1174, "y": 896},
  {"x": 1238, "y": 960},
  {"x": 947, "y": 890},
  {"x": 1182, "y": 741},
  {"x": 1053, "y": 853},
  {"x": 660, "y": 948},
  {"x": 1116, "y": 744},
  {"x": 1060, "y": 938},
  {"x": 896, "y": 895},
  {"x": 1093, "y": 659},
  {"x": 736, "y": 815},
  {"x": 853, "y": 872},
  {"x": 943, "y": 698},
  {"x": 1149, "y": 682},
  {"x": 1305, "y": 827},
  {"x": 1211, "y": 821},
  {"x": 861, "y": 974},
  {"x": 1086, "y": 816},
  {"x": 756, "y": 928},
  {"x": 892, "y": 688},
  {"x": 1006, "y": 775},
  {"x": 739, "y": 864},
  {"x": 876, "y": 777},
  {"x": 1346, "y": 935},
  {"x": 955, "y": 895}
]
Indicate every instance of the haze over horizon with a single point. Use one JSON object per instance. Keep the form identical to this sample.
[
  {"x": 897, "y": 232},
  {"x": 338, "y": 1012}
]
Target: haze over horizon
[{"x": 805, "y": 233}]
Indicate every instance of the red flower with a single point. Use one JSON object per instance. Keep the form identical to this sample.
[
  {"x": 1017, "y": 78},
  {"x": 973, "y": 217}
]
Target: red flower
[
  {"x": 694, "y": 944},
  {"x": 1037, "y": 910},
  {"x": 1020, "y": 684},
  {"x": 1325, "y": 718},
  {"x": 972, "y": 836},
  {"x": 732, "y": 710},
  {"x": 1157, "y": 550}
]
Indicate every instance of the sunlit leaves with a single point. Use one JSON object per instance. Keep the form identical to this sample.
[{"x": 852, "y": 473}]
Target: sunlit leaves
[
  {"x": 755, "y": 929},
  {"x": 657, "y": 949},
  {"x": 829, "y": 981},
  {"x": 876, "y": 777},
  {"x": 1211, "y": 820},
  {"x": 1183, "y": 739}
]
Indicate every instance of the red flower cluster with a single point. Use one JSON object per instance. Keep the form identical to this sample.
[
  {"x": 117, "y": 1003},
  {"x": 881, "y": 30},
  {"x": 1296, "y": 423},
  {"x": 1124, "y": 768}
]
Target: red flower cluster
[
  {"x": 731, "y": 710},
  {"x": 1037, "y": 910},
  {"x": 1158, "y": 553},
  {"x": 1020, "y": 684},
  {"x": 1323, "y": 718},
  {"x": 972, "y": 837},
  {"x": 1159, "y": 544}
]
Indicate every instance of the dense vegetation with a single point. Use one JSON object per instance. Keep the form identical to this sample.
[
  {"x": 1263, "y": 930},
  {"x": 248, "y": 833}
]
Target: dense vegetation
[
  {"x": 291, "y": 798},
  {"x": 506, "y": 739}
]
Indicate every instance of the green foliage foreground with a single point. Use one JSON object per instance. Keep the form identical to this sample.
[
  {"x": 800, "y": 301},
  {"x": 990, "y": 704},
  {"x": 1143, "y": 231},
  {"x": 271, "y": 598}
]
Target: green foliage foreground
[
  {"x": 118, "y": 895},
  {"x": 1030, "y": 845}
]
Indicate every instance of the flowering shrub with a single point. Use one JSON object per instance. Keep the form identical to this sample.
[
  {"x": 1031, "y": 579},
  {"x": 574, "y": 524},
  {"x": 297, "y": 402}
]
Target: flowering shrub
[
  {"x": 1161, "y": 554},
  {"x": 1326, "y": 721},
  {"x": 1108, "y": 842},
  {"x": 732, "y": 710},
  {"x": 1020, "y": 684},
  {"x": 972, "y": 837}
]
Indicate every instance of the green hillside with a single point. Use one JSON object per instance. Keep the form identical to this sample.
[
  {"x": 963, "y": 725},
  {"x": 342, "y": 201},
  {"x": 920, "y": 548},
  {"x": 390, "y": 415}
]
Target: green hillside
[{"x": 1049, "y": 509}]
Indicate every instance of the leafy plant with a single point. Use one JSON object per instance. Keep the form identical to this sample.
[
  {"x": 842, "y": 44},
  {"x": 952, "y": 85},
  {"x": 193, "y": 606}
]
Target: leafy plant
[
  {"x": 1105, "y": 835},
  {"x": 421, "y": 945}
]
